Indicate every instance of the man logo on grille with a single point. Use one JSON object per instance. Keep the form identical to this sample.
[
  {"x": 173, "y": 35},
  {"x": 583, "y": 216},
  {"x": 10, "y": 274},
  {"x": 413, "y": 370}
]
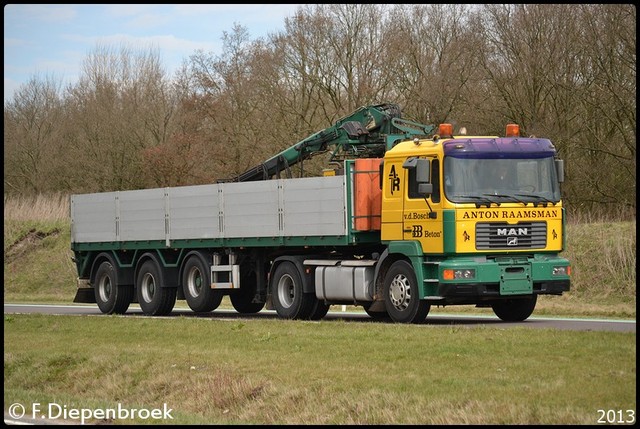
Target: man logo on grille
[{"x": 513, "y": 231}]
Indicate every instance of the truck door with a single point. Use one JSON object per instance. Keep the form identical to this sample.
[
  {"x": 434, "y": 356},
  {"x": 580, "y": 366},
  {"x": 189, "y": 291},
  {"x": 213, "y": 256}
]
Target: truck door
[
  {"x": 422, "y": 213},
  {"x": 393, "y": 178}
]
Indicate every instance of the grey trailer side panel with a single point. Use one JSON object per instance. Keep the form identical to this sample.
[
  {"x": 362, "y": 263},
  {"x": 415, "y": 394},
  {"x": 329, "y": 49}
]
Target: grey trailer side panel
[
  {"x": 275, "y": 208},
  {"x": 93, "y": 217},
  {"x": 194, "y": 212},
  {"x": 314, "y": 206},
  {"x": 251, "y": 209},
  {"x": 142, "y": 214}
]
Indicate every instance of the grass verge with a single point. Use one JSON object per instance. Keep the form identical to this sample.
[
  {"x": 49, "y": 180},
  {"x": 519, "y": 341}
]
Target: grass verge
[{"x": 327, "y": 372}]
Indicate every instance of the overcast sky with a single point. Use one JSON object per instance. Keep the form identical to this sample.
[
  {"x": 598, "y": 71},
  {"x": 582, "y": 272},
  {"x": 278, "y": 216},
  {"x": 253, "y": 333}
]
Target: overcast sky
[{"x": 54, "y": 39}]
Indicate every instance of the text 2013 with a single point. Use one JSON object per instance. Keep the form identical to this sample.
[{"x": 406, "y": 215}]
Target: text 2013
[{"x": 616, "y": 416}]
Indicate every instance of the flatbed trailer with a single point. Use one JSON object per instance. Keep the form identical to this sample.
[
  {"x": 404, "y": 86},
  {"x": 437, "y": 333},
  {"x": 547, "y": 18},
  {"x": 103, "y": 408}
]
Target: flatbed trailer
[{"x": 228, "y": 226}]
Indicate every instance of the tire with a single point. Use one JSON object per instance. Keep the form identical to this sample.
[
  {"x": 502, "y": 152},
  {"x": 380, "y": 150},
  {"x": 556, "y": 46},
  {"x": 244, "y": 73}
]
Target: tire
[
  {"x": 242, "y": 298},
  {"x": 196, "y": 285},
  {"x": 111, "y": 297},
  {"x": 154, "y": 299},
  {"x": 515, "y": 310},
  {"x": 321, "y": 309},
  {"x": 289, "y": 300},
  {"x": 376, "y": 315},
  {"x": 401, "y": 294}
]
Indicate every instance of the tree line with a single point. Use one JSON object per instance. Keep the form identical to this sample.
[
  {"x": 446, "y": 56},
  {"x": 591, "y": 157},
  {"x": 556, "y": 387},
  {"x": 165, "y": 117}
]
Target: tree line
[{"x": 566, "y": 72}]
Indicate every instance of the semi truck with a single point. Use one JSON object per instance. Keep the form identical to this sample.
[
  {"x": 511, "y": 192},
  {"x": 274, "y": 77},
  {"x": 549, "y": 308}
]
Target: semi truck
[{"x": 406, "y": 216}]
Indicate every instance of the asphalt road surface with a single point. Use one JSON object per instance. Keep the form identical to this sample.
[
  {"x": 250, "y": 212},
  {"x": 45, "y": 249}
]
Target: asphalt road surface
[{"x": 433, "y": 319}]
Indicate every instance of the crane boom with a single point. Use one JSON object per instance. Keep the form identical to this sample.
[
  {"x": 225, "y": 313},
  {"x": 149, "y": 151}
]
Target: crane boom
[{"x": 367, "y": 132}]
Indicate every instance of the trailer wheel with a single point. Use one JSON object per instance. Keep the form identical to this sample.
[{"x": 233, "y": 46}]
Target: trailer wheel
[
  {"x": 154, "y": 299},
  {"x": 515, "y": 310},
  {"x": 289, "y": 300},
  {"x": 111, "y": 297},
  {"x": 242, "y": 299},
  {"x": 196, "y": 285},
  {"x": 401, "y": 294}
]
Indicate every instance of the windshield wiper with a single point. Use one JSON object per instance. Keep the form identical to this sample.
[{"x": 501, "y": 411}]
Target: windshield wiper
[
  {"x": 511, "y": 198},
  {"x": 536, "y": 199},
  {"x": 482, "y": 200}
]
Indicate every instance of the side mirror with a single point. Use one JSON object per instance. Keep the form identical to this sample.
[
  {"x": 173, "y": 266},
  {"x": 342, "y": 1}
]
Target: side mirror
[
  {"x": 425, "y": 188},
  {"x": 422, "y": 167}
]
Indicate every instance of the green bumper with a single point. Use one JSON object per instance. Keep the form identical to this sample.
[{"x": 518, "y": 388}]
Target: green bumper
[{"x": 480, "y": 278}]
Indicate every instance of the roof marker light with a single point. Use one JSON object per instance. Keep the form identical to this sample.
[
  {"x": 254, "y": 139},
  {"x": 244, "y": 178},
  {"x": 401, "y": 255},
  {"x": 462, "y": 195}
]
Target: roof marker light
[
  {"x": 513, "y": 130},
  {"x": 445, "y": 130}
]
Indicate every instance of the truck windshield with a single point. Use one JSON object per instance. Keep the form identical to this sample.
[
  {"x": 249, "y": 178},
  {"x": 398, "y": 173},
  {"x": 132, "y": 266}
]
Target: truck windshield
[{"x": 527, "y": 180}]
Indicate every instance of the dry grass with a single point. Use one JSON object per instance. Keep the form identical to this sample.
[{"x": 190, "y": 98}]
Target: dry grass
[
  {"x": 603, "y": 258},
  {"x": 53, "y": 207}
]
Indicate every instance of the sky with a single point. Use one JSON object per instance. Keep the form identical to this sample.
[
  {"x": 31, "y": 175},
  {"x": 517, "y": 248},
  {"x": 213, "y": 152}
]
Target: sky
[{"x": 53, "y": 40}]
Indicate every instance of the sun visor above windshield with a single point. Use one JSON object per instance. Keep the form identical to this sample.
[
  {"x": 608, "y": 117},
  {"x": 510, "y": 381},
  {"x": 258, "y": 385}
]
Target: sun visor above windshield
[{"x": 499, "y": 147}]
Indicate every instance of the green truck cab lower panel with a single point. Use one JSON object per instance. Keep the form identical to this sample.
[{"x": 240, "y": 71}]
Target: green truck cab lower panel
[{"x": 501, "y": 277}]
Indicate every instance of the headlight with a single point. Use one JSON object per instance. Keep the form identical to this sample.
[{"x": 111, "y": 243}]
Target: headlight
[
  {"x": 458, "y": 274},
  {"x": 561, "y": 271}
]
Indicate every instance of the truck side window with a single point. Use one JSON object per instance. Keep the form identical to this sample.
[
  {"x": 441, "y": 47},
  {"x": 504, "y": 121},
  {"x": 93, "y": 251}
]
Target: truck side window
[
  {"x": 435, "y": 179},
  {"x": 412, "y": 185}
]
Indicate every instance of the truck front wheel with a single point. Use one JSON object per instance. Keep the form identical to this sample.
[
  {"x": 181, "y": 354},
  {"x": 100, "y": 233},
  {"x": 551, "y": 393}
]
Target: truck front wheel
[
  {"x": 289, "y": 300},
  {"x": 154, "y": 299},
  {"x": 196, "y": 285},
  {"x": 111, "y": 297},
  {"x": 515, "y": 310},
  {"x": 401, "y": 294}
]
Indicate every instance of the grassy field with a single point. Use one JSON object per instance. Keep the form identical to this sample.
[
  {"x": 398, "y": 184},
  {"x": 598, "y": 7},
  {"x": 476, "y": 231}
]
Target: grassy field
[
  {"x": 259, "y": 371},
  {"x": 328, "y": 372}
]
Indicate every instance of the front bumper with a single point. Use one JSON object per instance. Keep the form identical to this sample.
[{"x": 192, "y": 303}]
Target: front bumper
[{"x": 500, "y": 277}]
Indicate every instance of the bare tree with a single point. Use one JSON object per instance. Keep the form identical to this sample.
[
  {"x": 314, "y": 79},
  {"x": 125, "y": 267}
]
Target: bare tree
[
  {"x": 31, "y": 135},
  {"x": 606, "y": 145},
  {"x": 567, "y": 72},
  {"x": 433, "y": 58},
  {"x": 226, "y": 95},
  {"x": 120, "y": 107}
]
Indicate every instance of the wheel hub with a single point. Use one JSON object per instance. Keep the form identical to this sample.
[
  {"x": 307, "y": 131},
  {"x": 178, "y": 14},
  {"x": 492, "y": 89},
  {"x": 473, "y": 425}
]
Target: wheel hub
[
  {"x": 148, "y": 287},
  {"x": 400, "y": 292},
  {"x": 194, "y": 282},
  {"x": 286, "y": 290}
]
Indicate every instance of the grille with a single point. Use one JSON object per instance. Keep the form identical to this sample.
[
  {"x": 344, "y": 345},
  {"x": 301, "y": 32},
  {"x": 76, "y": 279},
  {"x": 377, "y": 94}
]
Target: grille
[{"x": 501, "y": 235}]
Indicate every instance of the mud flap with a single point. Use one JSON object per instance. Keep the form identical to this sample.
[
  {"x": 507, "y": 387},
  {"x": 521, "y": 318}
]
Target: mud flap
[
  {"x": 85, "y": 295},
  {"x": 269, "y": 304}
]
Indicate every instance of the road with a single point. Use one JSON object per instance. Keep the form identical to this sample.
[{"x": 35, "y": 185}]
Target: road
[{"x": 433, "y": 319}]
